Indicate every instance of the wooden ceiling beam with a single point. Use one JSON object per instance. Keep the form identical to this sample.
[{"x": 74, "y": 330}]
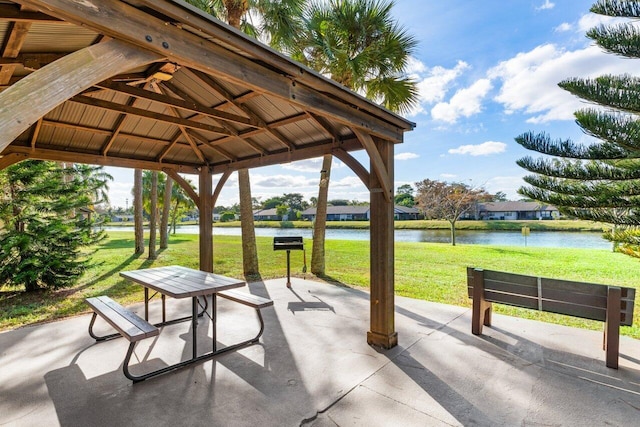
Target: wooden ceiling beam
[
  {"x": 97, "y": 159},
  {"x": 206, "y": 79},
  {"x": 277, "y": 60},
  {"x": 119, "y": 124},
  {"x": 187, "y": 105},
  {"x": 177, "y": 91},
  {"x": 17, "y": 34},
  {"x": 318, "y": 149},
  {"x": 9, "y": 12},
  {"x": 121, "y": 108},
  {"x": 27, "y": 101},
  {"x": 123, "y": 21}
]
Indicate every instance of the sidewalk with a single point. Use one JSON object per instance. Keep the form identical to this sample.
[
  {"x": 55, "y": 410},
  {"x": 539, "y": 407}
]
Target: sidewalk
[{"x": 314, "y": 367}]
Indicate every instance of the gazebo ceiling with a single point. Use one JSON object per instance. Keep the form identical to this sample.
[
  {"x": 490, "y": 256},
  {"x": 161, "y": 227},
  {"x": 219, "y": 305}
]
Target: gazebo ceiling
[{"x": 209, "y": 96}]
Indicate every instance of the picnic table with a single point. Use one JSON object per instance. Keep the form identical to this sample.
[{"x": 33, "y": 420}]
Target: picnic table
[{"x": 176, "y": 282}]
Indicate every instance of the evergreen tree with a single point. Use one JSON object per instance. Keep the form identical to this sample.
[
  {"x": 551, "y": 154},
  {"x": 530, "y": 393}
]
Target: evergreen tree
[
  {"x": 599, "y": 181},
  {"x": 46, "y": 213}
]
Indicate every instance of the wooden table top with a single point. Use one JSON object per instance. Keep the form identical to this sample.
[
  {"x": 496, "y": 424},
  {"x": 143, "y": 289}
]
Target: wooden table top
[{"x": 181, "y": 282}]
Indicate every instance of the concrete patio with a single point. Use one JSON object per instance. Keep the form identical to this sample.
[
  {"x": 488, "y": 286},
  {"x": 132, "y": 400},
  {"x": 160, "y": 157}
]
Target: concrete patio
[{"x": 314, "y": 367}]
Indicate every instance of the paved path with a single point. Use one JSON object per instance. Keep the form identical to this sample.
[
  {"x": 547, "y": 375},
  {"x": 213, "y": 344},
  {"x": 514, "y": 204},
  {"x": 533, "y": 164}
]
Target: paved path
[{"x": 314, "y": 368}]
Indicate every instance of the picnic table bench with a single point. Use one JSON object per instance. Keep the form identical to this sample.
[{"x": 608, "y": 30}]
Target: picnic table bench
[
  {"x": 128, "y": 324},
  {"x": 610, "y": 304}
]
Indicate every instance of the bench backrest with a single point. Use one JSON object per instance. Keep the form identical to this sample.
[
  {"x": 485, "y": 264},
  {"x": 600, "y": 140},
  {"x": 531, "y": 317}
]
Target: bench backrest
[{"x": 578, "y": 299}]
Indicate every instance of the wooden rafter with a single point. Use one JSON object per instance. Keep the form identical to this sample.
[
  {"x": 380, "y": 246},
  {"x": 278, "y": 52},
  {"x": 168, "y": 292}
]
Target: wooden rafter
[
  {"x": 183, "y": 130},
  {"x": 122, "y": 108},
  {"x": 16, "y": 36},
  {"x": 224, "y": 153},
  {"x": 120, "y": 121},
  {"x": 240, "y": 104},
  {"x": 97, "y": 159},
  {"x": 187, "y": 105},
  {"x": 31, "y": 98},
  {"x": 169, "y": 147},
  {"x": 9, "y": 12},
  {"x": 178, "y": 92}
]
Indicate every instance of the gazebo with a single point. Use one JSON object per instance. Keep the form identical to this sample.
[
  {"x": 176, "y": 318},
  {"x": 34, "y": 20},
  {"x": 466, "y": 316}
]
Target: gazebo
[{"x": 159, "y": 85}]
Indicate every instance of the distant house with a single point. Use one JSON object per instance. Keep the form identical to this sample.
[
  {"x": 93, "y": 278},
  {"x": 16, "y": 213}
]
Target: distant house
[
  {"x": 515, "y": 210},
  {"x": 340, "y": 213},
  {"x": 360, "y": 213},
  {"x": 266, "y": 215},
  {"x": 122, "y": 218},
  {"x": 403, "y": 213}
]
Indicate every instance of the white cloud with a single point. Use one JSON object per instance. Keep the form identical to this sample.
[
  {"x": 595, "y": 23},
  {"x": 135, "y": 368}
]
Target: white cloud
[
  {"x": 565, "y": 26},
  {"x": 546, "y": 5},
  {"x": 484, "y": 149},
  {"x": 433, "y": 83},
  {"x": 406, "y": 156},
  {"x": 507, "y": 184},
  {"x": 282, "y": 181},
  {"x": 591, "y": 20},
  {"x": 530, "y": 79},
  {"x": 347, "y": 182},
  {"x": 466, "y": 102},
  {"x": 311, "y": 165}
]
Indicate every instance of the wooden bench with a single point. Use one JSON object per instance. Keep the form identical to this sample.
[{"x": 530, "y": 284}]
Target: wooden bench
[
  {"x": 254, "y": 301},
  {"x": 128, "y": 324},
  {"x": 610, "y": 304}
]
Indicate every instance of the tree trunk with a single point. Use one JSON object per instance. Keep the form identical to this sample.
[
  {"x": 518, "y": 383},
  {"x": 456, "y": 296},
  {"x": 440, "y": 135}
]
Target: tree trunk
[
  {"x": 137, "y": 211},
  {"x": 249, "y": 250},
  {"x": 166, "y": 207},
  {"x": 453, "y": 232},
  {"x": 153, "y": 217},
  {"x": 320, "y": 225},
  {"x": 174, "y": 217}
]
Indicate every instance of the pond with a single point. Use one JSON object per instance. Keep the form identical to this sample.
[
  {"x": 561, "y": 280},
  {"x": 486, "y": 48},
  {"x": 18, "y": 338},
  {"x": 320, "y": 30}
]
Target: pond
[{"x": 566, "y": 239}]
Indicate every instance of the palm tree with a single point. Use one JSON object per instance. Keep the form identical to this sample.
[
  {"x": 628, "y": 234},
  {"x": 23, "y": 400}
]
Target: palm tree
[
  {"x": 153, "y": 214},
  {"x": 279, "y": 24},
  {"x": 166, "y": 208},
  {"x": 358, "y": 44},
  {"x": 137, "y": 211}
]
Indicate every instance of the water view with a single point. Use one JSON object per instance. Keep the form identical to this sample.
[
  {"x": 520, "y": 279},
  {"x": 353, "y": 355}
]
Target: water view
[{"x": 563, "y": 239}]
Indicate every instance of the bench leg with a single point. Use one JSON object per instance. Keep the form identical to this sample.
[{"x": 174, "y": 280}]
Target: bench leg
[
  {"x": 481, "y": 314},
  {"x": 612, "y": 327},
  {"x": 96, "y": 337}
]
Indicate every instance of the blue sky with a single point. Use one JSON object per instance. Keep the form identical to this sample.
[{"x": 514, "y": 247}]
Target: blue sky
[{"x": 487, "y": 72}]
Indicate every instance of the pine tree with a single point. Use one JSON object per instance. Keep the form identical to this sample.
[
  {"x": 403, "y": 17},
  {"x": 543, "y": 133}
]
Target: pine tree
[
  {"x": 600, "y": 181},
  {"x": 45, "y": 228}
]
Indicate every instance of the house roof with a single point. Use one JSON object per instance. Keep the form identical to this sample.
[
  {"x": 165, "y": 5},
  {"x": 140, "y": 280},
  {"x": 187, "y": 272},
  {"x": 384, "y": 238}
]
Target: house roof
[
  {"x": 399, "y": 209},
  {"x": 341, "y": 210},
  {"x": 197, "y": 92},
  {"x": 515, "y": 207},
  {"x": 265, "y": 212}
]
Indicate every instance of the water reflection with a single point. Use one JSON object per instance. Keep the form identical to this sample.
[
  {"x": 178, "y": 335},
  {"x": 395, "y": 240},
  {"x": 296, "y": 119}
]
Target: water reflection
[{"x": 558, "y": 239}]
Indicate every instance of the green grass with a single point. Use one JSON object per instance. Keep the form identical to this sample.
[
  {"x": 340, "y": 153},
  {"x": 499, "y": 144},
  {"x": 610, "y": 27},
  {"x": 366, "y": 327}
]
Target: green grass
[{"x": 429, "y": 271}]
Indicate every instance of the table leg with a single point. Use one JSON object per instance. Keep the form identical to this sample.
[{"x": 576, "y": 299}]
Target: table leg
[
  {"x": 214, "y": 307},
  {"x": 146, "y": 304},
  {"x": 164, "y": 311},
  {"x": 194, "y": 326}
]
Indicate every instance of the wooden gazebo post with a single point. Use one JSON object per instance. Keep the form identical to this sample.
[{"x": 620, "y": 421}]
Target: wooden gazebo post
[{"x": 382, "y": 329}]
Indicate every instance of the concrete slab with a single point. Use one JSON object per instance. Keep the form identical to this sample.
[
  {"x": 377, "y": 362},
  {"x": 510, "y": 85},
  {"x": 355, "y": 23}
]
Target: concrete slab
[{"x": 313, "y": 367}]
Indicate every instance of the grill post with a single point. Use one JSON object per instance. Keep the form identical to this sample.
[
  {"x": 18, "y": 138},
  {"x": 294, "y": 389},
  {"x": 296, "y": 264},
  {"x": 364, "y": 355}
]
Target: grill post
[{"x": 288, "y": 243}]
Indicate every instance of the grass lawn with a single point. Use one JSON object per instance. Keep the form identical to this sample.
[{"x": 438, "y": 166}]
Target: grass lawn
[{"x": 430, "y": 271}]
